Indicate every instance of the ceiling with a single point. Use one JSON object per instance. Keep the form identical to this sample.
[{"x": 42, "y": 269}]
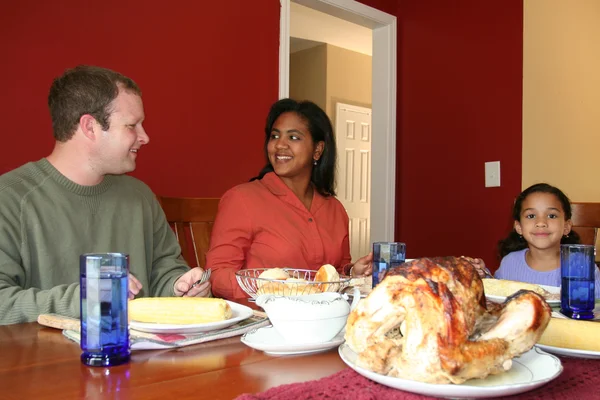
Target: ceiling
[{"x": 310, "y": 28}]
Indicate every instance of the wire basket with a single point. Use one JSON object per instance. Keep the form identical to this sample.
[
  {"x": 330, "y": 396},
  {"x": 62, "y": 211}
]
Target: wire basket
[{"x": 254, "y": 286}]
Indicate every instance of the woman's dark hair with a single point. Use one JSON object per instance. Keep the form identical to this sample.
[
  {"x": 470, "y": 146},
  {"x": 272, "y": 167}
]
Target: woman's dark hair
[
  {"x": 319, "y": 126},
  {"x": 514, "y": 241}
]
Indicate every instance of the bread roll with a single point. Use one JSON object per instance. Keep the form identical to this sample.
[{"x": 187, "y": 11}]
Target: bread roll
[
  {"x": 276, "y": 288},
  {"x": 291, "y": 287},
  {"x": 295, "y": 287},
  {"x": 272, "y": 273},
  {"x": 292, "y": 280},
  {"x": 308, "y": 289},
  {"x": 328, "y": 273}
]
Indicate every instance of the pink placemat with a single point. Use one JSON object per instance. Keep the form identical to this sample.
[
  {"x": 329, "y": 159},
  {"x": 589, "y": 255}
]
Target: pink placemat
[{"x": 579, "y": 380}]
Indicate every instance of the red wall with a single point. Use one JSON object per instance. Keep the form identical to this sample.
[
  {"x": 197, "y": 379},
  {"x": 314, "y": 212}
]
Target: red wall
[
  {"x": 208, "y": 72},
  {"x": 387, "y": 6},
  {"x": 459, "y": 105}
]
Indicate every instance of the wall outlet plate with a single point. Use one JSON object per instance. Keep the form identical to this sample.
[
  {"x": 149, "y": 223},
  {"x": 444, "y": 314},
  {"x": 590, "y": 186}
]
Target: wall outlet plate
[{"x": 492, "y": 174}]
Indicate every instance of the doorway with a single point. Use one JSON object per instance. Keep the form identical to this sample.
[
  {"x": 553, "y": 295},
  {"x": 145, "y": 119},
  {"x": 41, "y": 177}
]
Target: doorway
[
  {"x": 353, "y": 140},
  {"x": 383, "y": 146}
]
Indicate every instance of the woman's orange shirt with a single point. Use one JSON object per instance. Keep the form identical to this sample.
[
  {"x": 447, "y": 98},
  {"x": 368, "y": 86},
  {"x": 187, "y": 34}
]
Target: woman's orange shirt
[{"x": 262, "y": 224}]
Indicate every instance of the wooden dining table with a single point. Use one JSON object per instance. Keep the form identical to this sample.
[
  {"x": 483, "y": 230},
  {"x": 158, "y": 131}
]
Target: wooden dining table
[{"x": 37, "y": 362}]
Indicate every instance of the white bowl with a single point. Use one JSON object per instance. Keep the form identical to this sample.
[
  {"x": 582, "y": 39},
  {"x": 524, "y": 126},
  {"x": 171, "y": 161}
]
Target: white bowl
[{"x": 314, "y": 318}]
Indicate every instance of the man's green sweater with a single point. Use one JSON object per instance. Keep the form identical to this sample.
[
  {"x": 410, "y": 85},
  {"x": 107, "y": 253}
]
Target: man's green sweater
[{"x": 48, "y": 221}]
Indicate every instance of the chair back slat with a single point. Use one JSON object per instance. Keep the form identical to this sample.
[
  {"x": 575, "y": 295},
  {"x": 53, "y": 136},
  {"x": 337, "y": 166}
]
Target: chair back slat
[
  {"x": 192, "y": 221},
  {"x": 586, "y": 221},
  {"x": 587, "y": 235},
  {"x": 201, "y": 232}
]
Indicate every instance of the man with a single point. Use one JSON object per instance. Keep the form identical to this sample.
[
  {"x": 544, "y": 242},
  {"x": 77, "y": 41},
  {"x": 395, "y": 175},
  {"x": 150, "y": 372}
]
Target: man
[{"x": 78, "y": 200}]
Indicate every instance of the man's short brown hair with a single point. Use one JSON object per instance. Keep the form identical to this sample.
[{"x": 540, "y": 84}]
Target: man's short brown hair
[{"x": 84, "y": 90}]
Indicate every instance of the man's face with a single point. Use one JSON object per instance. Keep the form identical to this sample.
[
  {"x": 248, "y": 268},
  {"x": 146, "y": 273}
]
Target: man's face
[{"x": 117, "y": 148}]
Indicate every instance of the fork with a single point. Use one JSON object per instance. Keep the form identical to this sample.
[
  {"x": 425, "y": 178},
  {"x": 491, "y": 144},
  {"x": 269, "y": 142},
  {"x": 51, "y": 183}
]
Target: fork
[
  {"x": 479, "y": 267},
  {"x": 205, "y": 276}
]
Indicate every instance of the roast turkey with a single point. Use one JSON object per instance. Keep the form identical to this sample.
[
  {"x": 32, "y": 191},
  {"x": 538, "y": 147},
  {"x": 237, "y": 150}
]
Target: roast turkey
[{"x": 427, "y": 321}]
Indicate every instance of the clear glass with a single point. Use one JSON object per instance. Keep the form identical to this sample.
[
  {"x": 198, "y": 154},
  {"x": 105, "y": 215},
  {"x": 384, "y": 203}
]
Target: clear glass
[
  {"x": 577, "y": 291},
  {"x": 386, "y": 255},
  {"x": 104, "y": 291}
]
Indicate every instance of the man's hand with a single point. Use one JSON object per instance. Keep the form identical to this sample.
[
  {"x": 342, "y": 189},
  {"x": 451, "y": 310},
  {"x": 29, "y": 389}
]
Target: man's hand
[
  {"x": 183, "y": 285},
  {"x": 134, "y": 286}
]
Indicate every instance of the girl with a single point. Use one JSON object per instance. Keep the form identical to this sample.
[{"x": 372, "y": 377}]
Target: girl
[{"x": 542, "y": 222}]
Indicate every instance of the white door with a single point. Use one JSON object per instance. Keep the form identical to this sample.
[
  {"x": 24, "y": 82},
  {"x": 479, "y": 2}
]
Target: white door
[{"x": 353, "y": 137}]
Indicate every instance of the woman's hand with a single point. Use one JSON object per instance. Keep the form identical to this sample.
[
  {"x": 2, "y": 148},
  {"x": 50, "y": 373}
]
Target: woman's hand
[{"x": 363, "y": 266}]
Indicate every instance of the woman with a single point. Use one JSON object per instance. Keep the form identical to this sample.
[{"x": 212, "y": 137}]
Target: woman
[{"x": 287, "y": 216}]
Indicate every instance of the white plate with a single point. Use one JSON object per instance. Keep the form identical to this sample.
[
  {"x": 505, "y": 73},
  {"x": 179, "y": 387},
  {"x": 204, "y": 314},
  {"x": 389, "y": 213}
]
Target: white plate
[
  {"x": 267, "y": 339},
  {"x": 551, "y": 289},
  {"x": 238, "y": 313},
  {"x": 529, "y": 371},
  {"x": 561, "y": 351}
]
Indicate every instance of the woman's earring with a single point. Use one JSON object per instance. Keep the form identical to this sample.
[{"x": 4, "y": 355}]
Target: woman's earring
[{"x": 314, "y": 162}]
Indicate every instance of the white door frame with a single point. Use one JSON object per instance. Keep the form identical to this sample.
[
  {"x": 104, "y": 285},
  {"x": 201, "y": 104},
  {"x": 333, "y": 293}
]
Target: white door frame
[
  {"x": 383, "y": 166},
  {"x": 354, "y": 146}
]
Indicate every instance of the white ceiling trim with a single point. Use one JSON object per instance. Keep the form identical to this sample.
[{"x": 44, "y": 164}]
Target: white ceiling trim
[{"x": 316, "y": 26}]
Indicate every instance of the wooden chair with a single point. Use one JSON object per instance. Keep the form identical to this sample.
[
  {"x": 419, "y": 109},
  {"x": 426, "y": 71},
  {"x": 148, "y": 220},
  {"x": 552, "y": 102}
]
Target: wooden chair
[
  {"x": 192, "y": 221},
  {"x": 586, "y": 221}
]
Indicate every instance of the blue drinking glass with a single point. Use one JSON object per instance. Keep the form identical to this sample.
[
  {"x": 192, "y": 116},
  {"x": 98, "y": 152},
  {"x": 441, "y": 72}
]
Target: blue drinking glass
[
  {"x": 104, "y": 292},
  {"x": 386, "y": 255},
  {"x": 577, "y": 293}
]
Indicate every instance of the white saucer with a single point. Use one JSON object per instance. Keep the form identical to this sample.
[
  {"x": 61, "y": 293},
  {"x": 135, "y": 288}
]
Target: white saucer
[{"x": 267, "y": 339}]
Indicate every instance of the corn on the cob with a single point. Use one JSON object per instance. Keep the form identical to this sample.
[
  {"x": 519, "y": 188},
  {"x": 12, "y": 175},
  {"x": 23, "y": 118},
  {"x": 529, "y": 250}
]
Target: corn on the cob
[
  {"x": 504, "y": 287},
  {"x": 571, "y": 334},
  {"x": 179, "y": 310}
]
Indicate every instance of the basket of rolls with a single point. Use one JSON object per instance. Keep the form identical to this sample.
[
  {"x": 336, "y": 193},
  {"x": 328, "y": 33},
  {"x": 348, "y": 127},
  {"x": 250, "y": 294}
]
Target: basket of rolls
[{"x": 290, "y": 282}]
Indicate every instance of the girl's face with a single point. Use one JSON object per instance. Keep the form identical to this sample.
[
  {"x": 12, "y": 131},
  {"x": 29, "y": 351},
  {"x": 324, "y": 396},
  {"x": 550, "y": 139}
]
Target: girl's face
[
  {"x": 291, "y": 148},
  {"x": 542, "y": 222}
]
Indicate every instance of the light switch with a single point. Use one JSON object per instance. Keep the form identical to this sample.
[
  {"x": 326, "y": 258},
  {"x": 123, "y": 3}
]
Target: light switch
[{"x": 492, "y": 174}]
